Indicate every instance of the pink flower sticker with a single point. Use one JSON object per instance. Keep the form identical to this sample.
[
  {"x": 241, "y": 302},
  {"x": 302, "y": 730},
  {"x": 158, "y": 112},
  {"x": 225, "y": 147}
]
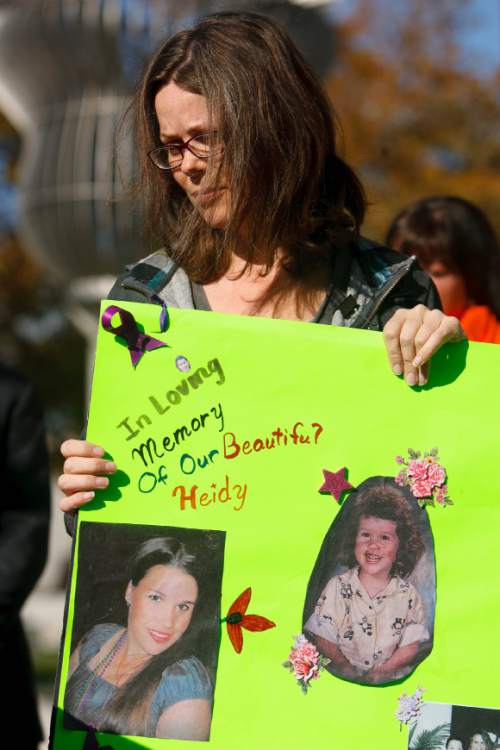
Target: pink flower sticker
[
  {"x": 417, "y": 469},
  {"x": 425, "y": 477},
  {"x": 305, "y": 662},
  {"x": 436, "y": 474}
]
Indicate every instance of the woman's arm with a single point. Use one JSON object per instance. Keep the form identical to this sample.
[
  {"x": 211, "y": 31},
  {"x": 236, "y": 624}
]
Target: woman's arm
[{"x": 185, "y": 720}]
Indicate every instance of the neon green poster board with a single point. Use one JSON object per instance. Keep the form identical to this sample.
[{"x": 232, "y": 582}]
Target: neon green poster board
[{"x": 222, "y": 438}]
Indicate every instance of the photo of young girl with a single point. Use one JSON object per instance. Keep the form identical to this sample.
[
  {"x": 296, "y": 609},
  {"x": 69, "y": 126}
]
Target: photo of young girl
[{"x": 371, "y": 598}]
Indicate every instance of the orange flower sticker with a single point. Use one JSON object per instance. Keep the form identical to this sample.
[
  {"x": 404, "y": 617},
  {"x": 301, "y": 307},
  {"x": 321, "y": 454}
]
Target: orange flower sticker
[{"x": 236, "y": 619}]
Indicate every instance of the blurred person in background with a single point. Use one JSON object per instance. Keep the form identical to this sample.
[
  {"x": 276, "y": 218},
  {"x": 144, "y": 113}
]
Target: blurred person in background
[
  {"x": 457, "y": 246},
  {"x": 480, "y": 740},
  {"x": 24, "y": 526}
]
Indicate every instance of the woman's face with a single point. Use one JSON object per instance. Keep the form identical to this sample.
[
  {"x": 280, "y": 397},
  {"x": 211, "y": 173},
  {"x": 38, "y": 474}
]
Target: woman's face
[
  {"x": 451, "y": 287},
  {"x": 376, "y": 546},
  {"x": 160, "y": 609},
  {"x": 477, "y": 743},
  {"x": 182, "y": 115}
]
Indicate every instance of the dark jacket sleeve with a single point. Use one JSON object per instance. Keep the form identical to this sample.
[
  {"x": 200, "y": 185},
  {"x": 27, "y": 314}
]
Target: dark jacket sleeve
[{"x": 25, "y": 504}]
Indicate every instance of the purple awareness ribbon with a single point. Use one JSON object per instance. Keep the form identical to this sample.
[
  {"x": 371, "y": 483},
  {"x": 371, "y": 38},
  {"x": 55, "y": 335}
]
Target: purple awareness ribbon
[{"x": 137, "y": 342}]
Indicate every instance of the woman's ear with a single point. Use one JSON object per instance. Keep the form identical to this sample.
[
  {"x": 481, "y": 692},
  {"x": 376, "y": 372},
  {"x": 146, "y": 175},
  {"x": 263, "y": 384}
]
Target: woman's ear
[{"x": 128, "y": 593}]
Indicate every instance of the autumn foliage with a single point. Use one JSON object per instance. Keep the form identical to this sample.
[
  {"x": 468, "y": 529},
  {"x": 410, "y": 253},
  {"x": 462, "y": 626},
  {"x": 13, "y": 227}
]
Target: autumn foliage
[{"x": 417, "y": 119}]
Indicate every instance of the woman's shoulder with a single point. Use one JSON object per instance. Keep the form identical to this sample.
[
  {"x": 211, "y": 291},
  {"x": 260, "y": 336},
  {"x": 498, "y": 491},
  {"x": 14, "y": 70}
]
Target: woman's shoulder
[
  {"x": 96, "y": 637},
  {"x": 186, "y": 679},
  {"x": 381, "y": 264},
  {"x": 154, "y": 279},
  {"x": 392, "y": 280}
]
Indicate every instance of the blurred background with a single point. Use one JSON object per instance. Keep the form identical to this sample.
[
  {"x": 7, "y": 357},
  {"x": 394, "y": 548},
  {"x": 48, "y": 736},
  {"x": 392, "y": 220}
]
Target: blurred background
[{"x": 415, "y": 84}]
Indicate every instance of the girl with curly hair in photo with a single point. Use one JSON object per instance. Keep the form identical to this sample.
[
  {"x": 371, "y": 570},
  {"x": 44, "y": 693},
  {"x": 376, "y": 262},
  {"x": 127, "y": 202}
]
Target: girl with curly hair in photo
[{"x": 370, "y": 620}]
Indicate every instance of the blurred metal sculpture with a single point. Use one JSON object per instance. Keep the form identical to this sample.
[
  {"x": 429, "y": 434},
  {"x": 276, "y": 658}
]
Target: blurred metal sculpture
[{"x": 68, "y": 69}]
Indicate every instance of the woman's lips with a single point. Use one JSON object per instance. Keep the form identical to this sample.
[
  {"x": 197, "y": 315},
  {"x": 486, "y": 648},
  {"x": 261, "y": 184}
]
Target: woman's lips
[
  {"x": 208, "y": 196},
  {"x": 159, "y": 637},
  {"x": 373, "y": 558}
]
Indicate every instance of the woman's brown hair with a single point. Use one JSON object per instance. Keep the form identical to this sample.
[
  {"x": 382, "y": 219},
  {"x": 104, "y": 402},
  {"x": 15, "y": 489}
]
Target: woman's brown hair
[{"x": 288, "y": 187}]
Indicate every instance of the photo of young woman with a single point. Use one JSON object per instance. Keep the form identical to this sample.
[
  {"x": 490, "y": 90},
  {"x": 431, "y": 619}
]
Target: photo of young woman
[{"x": 149, "y": 670}]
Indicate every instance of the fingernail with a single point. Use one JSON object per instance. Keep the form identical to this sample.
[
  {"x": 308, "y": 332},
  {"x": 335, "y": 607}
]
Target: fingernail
[
  {"x": 88, "y": 496},
  {"x": 110, "y": 467},
  {"x": 397, "y": 369},
  {"x": 411, "y": 378},
  {"x": 101, "y": 482},
  {"x": 97, "y": 450}
]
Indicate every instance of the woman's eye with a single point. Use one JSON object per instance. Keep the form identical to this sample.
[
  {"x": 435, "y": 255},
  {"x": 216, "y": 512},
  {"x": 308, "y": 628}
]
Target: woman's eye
[
  {"x": 154, "y": 597},
  {"x": 184, "y": 607}
]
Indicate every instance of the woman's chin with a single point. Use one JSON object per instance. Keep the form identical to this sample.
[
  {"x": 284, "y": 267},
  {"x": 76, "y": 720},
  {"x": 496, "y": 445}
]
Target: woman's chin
[
  {"x": 215, "y": 219},
  {"x": 215, "y": 214}
]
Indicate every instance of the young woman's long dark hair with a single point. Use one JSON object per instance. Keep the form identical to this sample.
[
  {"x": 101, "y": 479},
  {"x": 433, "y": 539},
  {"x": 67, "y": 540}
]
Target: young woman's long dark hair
[
  {"x": 458, "y": 234},
  {"x": 128, "y": 712},
  {"x": 288, "y": 186}
]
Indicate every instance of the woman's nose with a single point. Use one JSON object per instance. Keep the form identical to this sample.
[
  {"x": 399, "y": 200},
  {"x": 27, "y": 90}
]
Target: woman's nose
[
  {"x": 167, "y": 616},
  {"x": 192, "y": 164}
]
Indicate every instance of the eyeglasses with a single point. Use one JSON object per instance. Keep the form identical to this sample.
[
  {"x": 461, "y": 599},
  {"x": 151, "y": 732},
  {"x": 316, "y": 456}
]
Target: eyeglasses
[{"x": 171, "y": 155}]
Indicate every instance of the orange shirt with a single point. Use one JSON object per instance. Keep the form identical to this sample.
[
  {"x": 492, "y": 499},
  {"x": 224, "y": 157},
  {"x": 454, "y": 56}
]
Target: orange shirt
[{"x": 480, "y": 324}]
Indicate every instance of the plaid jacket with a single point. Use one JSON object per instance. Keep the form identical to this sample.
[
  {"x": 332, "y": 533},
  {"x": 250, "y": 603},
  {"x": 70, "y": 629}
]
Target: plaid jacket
[{"x": 369, "y": 283}]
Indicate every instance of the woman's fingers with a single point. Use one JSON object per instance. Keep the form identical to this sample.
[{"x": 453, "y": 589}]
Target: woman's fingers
[
  {"x": 413, "y": 336},
  {"x": 399, "y": 335},
  {"x": 78, "y": 465},
  {"x": 84, "y": 472},
  {"x": 73, "y": 502},
  {"x": 447, "y": 330},
  {"x": 71, "y": 483},
  {"x": 80, "y": 448}
]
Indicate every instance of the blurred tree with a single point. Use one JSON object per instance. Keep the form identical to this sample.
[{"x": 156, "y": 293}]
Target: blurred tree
[
  {"x": 37, "y": 338},
  {"x": 417, "y": 123}
]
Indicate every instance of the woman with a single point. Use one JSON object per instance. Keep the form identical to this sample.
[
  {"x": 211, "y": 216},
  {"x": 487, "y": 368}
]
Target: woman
[
  {"x": 457, "y": 246},
  {"x": 480, "y": 740},
  {"x": 260, "y": 216},
  {"x": 143, "y": 679}
]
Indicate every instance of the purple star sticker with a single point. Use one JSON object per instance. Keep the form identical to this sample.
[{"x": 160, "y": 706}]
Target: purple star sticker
[{"x": 335, "y": 483}]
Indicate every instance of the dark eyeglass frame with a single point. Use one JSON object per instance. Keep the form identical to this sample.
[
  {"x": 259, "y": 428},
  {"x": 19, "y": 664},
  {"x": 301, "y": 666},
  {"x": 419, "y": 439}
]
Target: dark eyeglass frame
[{"x": 182, "y": 146}]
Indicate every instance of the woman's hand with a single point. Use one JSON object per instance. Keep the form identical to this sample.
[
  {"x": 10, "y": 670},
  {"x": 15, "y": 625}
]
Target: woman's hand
[
  {"x": 413, "y": 336},
  {"x": 84, "y": 471}
]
